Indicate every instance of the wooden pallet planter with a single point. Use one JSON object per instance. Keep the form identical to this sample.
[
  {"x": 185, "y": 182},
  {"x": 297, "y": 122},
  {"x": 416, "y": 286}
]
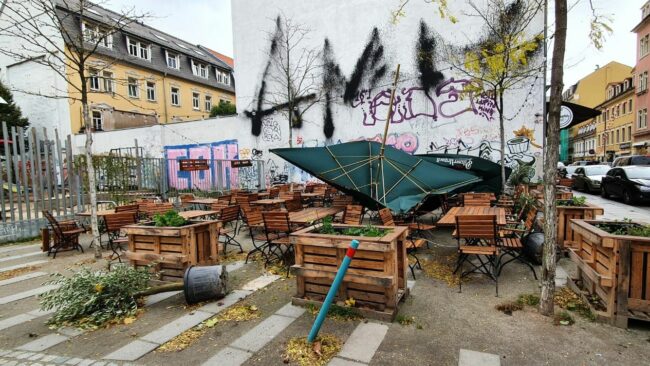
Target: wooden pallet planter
[
  {"x": 173, "y": 249},
  {"x": 615, "y": 269},
  {"x": 565, "y": 182},
  {"x": 565, "y": 235},
  {"x": 376, "y": 278}
]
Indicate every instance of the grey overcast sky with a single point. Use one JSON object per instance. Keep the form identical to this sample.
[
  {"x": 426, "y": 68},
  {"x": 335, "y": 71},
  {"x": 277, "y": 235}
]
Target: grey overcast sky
[
  {"x": 205, "y": 22},
  {"x": 208, "y": 22}
]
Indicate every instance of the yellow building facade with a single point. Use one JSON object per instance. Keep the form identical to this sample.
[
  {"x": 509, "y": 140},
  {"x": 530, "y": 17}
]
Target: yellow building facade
[
  {"x": 614, "y": 125},
  {"x": 137, "y": 75}
]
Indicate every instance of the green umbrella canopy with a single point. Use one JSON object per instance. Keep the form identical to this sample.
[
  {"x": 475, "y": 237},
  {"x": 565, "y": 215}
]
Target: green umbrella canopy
[
  {"x": 395, "y": 180},
  {"x": 488, "y": 170}
]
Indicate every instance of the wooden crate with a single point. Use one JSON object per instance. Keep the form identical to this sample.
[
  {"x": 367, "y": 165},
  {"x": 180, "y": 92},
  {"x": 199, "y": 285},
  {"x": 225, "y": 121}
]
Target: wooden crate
[
  {"x": 376, "y": 278},
  {"x": 173, "y": 249},
  {"x": 565, "y": 235},
  {"x": 615, "y": 268},
  {"x": 565, "y": 182}
]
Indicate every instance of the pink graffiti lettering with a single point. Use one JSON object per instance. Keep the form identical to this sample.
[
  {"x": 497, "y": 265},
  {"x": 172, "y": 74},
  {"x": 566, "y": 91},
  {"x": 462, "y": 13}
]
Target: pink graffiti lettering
[{"x": 407, "y": 142}]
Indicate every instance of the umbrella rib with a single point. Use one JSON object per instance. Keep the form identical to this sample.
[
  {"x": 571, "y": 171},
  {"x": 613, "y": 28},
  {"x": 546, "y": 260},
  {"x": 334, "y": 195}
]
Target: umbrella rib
[
  {"x": 344, "y": 166},
  {"x": 409, "y": 178},
  {"x": 339, "y": 164},
  {"x": 361, "y": 164},
  {"x": 401, "y": 179}
]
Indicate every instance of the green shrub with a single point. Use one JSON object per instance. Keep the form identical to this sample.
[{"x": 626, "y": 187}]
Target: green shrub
[
  {"x": 223, "y": 109},
  {"x": 169, "y": 218},
  {"x": 90, "y": 299}
]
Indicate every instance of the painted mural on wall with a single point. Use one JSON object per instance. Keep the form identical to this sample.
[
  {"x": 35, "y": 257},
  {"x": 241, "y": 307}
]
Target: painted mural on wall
[
  {"x": 219, "y": 176},
  {"x": 437, "y": 107}
]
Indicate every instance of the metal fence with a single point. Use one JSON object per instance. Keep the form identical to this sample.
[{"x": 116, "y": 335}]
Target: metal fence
[
  {"x": 37, "y": 173},
  {"x": 220, "y": 177}
]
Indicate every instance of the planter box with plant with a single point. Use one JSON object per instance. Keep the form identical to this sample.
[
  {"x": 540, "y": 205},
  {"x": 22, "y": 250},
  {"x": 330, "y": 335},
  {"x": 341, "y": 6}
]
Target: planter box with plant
[
  {"x": 569, "y": 209},
  {"x": 613, "y": 261},
  {"x": 376, "y": 280},
  {"x": 171, "y": 244}
]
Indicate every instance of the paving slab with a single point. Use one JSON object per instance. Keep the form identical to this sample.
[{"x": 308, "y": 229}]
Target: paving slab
[
  {"x": 176, "y": 327},
  {"x": 20, "y": 256},
  {"x": 364, "y": 341},
  {"x": 234, "y": 266},
  {"x": 290, "y": 311},
  {"x": 336, "y": 361},
  {"x": 260, "y": 282},
  {"x": 19, "y": 266},
  {"x": 561, "y": 277},
  {"x": 28, "y": 276},
  {"x": 156, "y": 298},
  {"x": 43, "y": 343},
  {"x": 474, "y": 358},
  {"x": 15, "y": 248},
  {"x": 26, "y": 294},
  {"x": 262, "y": 333},
  {"x": 228, "y": 357},
  {"x": 132, "y": 351},
  {"x": 229, "y": 300}
]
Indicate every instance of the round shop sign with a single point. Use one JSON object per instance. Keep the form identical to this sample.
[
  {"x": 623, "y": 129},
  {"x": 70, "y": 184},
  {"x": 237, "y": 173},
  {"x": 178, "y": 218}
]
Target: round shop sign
[{"x": 566, "y": 117}]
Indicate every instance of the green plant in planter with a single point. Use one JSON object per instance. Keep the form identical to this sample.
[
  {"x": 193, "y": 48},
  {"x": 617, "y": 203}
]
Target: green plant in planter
[
  {"x": 327, "y": 227},
  {"x": 576, "y": 201},
  {"x": 521, "y": 175},
  {"x": 625, "y": 227},
  {"x": 90, "y": 299},
  {"x": 368, "y": 231},
  {"x": 169, "y": 218}
]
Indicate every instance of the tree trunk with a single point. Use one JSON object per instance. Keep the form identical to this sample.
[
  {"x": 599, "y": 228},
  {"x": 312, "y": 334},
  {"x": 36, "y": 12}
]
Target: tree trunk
[
  {"x": 551, "y": 152},
  {"x": 503, "y": 141},
  {"x": 92, "y": 188}
]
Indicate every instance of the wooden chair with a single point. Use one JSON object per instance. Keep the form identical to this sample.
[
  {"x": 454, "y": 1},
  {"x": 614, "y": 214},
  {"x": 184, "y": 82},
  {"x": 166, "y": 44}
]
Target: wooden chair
[
  {"x": 219, "y": 205},
  {"x": 230, "y": 216},
  {"x": 353, "y": 215},
  {"x": 477, "y": 235},
  {"x": 149, "y": 210},
  {"x": 510, "y": 241},
  {"x": 255, "y": 222},
  {"x": 288, "y": 196},
  {"x": 387, "y": 219},
  {"x": 293, "y": 205},
  {"x": 128, "y": 208},
  {"x": 277, "y": 229},
  {"x": 65, "y": 233},
  {"x": 476, "y": 199},
  {"x": 114, "y": 224},
  {"x": 225, "y": 198},
  {"x": 185, "y": 199},
  {"x": 274, "y": 192}
]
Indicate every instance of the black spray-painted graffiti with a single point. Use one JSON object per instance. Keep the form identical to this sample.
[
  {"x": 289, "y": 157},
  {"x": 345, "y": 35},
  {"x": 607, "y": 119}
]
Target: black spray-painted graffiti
[
  {"x": 425, "y": 56},
  {"x": 518, "y": 150},
  {"x": 450, "y": 99},
  {"x": 271, "y": 131}
]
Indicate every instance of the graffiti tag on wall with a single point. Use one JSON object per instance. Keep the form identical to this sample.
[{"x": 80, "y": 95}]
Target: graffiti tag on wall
[{"x": 219, "y": 174}]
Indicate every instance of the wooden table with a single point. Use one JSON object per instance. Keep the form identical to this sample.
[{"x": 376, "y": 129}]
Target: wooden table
[
  {"x": 269, "y": 201},
  {"x": 193, "y": 214},
  {"x": 264, "y": 194},
  {"x": 203, "y": 201},
  {"x": 312, "y": 214},
  {"x": 450, "y": 217},
  {"x": 311, "y": 195},
  {"x": 100, "y": 213}
]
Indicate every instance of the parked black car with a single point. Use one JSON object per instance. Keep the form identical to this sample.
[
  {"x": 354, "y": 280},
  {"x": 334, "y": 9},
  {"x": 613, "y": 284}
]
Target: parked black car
[
  {"x": 632, "y": 183},
  {"x": 588, "y": 178},
  {"x": 632, "y": 160}
]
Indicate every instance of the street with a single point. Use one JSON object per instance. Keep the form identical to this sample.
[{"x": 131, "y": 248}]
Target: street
[{"x": 617, "y": 210}]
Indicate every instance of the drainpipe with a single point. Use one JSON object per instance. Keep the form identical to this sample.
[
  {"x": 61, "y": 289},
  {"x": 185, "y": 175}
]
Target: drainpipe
[{"x": 165, "y": 97}]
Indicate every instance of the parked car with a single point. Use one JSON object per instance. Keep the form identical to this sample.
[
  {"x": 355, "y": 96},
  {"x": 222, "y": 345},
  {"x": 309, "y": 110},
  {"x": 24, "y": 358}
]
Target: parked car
[
  {"x": 632, "y": 183},
  {"x": 584, "y": 163},
  {"x": 632, "y": 160},
  {"x": 567, "y": 172},
  {"x": 587, "y": 178}
]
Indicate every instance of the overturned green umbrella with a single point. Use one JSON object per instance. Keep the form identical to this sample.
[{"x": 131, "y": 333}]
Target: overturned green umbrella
[
  {"x": 377, "y": 177},
  {"x": 488, "y": 170}
]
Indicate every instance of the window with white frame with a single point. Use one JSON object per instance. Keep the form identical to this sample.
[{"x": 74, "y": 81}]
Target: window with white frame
[
  {"x": 208, "y": 103},
  {"x": 643, "y": 45},
  {"x": 138, "y": 49},
  {"x": 95, "y": 34},
  {"x": 176, "y": 96},
  {"x": 134, "y": 91},
  {"x": 93, "y": 79},
  {"x": 151, "y": 91},
  {"x": 199, "y": 69},
  {"x": 643, "y": 82},
  {"x": 223, "y": 77},
  {"x": 98, "y": 122},
  {"x": 196, "y": 100},
  {"x": 108, "y": 82},
  {"x": 642, "y": 118},
  {"x": 173, "y": 60}
]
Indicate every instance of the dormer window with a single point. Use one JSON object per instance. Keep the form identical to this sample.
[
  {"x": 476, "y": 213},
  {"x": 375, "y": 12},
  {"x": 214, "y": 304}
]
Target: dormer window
[
  {"x": 199, "y": 69},
  {"x": 173, "y": 60},
  {"x": 95, "y": 34},
  {"x": 223, "y": 77},
  {"x": 138, "y": 49}
]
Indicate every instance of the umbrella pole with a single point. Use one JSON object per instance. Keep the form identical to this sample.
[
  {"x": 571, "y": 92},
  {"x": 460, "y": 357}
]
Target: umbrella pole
[{"x": 389, "y": 116}]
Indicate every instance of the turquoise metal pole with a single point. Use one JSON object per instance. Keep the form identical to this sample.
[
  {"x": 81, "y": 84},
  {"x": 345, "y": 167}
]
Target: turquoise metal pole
[{"x": 332, "y": 292}]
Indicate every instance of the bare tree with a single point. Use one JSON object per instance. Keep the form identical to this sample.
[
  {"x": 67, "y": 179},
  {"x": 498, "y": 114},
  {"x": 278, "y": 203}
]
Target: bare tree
[
  {"x": 43, "y": 29},
  {"x": 293, "y": 72},
  {"x": 504, "y": 58}
]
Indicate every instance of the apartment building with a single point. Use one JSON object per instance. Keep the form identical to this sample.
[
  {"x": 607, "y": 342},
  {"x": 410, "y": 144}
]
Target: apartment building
[
  {"x": 640, "y": 131},
  {"x": 614, "y": 125}
]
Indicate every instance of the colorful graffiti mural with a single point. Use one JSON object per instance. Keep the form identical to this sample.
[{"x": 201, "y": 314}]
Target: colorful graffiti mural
[{"x": 219, "y": 175}]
